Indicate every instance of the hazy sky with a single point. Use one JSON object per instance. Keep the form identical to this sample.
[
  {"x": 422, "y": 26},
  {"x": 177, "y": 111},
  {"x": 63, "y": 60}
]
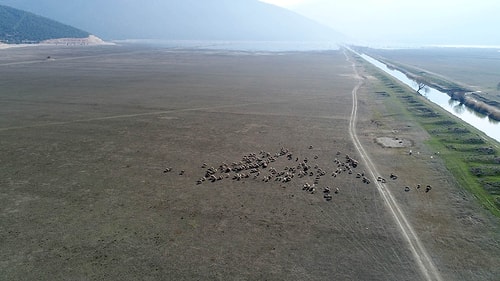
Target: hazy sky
[{"x": 468, "y": 22}]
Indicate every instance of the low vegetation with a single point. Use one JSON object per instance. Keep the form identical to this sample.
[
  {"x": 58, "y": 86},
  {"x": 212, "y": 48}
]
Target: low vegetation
[
  {"x": 463, "y": 94},
  {"x": 470, "y": 156},
  {"x": 442, "y": 68}
]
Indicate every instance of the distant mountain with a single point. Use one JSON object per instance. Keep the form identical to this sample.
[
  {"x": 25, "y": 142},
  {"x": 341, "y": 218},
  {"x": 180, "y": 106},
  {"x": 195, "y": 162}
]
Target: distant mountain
[
  {"x": 182, "y": 19},
  {"x": 17, "y": 26}
]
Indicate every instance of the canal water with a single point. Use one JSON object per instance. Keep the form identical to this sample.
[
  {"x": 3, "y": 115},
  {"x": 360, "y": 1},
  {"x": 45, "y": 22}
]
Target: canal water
[{"x": 478, "y": 120}]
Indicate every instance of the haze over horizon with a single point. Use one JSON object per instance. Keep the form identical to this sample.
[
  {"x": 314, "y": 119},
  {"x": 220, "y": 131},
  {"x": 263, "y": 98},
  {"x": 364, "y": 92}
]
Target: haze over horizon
[
  {"x": 377, "y": 23},
  {"x": 222, "y": 20},
  {"x": 400, "y": 22}
]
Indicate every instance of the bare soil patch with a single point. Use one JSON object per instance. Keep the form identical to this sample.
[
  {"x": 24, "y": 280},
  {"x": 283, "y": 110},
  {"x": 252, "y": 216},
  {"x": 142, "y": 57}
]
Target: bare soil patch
[{"x": 393, "y": 142}]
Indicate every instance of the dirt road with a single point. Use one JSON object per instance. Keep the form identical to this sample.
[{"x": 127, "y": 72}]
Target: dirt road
[
  {"x": 85, "y": 144},
  {"x": 422, "y": 258}
]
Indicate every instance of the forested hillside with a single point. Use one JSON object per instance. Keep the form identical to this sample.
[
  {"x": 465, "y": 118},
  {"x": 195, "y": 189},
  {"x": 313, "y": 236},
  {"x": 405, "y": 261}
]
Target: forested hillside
[
  {"x": 17, "y": 26},
  {"x": 181, "y": 19}
]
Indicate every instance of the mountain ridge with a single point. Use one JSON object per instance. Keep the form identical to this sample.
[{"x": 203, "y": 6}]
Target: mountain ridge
[
  {"x": 182, "y": 20},
  {"x": 18, "y": 27}
]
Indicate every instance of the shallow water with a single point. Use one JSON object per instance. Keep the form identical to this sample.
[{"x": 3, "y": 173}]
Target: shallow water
[
  {"x": 249, "y": 46},
  {"x": 478, "y": 120}
]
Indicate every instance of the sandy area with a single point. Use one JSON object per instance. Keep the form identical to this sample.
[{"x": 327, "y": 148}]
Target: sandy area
[{"x": 92, "y": 40}]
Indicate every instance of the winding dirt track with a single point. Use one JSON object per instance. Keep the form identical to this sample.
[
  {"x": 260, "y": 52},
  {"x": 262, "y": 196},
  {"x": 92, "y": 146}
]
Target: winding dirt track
[{"x": 424, "y": 262}]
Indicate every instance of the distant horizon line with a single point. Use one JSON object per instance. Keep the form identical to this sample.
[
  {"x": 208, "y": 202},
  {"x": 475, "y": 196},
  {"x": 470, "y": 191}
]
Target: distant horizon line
[{"x": 323, "y": 43}]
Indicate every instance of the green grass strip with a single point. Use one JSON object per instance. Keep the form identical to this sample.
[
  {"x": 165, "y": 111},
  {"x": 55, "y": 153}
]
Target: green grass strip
[{"x": 472, "y": 157}]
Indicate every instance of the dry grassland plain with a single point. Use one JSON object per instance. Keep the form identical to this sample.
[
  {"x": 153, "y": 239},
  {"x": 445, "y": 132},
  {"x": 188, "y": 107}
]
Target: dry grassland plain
[{"x": 86, "y": 138}]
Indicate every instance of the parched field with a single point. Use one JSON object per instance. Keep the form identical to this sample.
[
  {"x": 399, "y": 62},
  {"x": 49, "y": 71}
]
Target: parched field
[{"x": 103, "y": 152}]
